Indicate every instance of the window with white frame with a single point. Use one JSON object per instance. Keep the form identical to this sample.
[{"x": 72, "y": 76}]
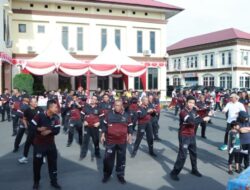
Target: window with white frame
[
  {"x": 208, "y": 80},
  {"x": 192, "y": 61},
  {"x": 176, "y": 81},
  {"x": 245, "y": 57},
  {"x": 229, "y": 58},
  {"x": 209, "y": 60},
  {"x": 245, "y": 81},
  {"x": 226, "y": 81},
  {"x": 242, "y": 79},
  {"x": 177, "y": 63}
]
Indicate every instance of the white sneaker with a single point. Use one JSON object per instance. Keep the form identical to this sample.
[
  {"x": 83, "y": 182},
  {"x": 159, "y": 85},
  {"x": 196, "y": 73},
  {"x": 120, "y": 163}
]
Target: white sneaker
[{"x": 23, "y": 160}]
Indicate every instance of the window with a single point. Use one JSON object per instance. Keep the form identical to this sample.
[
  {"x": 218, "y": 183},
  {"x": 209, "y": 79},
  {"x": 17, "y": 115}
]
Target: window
[
  {"x": 118, "y": 38},
  {"x": 174, "y": 63},
  {"x": 179, "y": 64},
  {"x": 222, "y": 82},
  {"x": 208, "y": 81},
  {"x": 226, "y": 81},
  {"x": 196, "y": 62},
  {"x": 212, "y": 60},
  {"x": 242, "y": 82},
  {"x": 229, "y": 82},
  {"x": 41, "y": 29},
  {"x": 205, "y": 81},
  {"x": 188, "y": 62},
  {"x": 80, "y": 39},
  {"x": 139, "y": 41},
  {"x": 211, "y": 81},
  {"x": 22, "y": 28},
  {"x": 118, "y": 83},
  {"x": 229, "y": 58},
  {"x": 176, "y": 82},
  {"x": 205, "y": 60},
  {"x": 152, "y": 78},
  {"x": 192, "y": 62},
  {"x": 245, "y": 57},
  {"x": 103, "y": 38},
  {"x": 223, "y": 58},
  {"x": 138, "y": 83},
  {"x": 152, "y": 42},
  {"x": 103, "y": 82},
  {"x": 247, "y": 82},
  {"x": 65, "y": 37}
]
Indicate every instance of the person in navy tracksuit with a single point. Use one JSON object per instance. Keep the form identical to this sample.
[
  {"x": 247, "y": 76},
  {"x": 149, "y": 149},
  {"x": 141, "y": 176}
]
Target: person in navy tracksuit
[
  {"x": 116, "y": 132},
  {"x": 189, "y": 120}
]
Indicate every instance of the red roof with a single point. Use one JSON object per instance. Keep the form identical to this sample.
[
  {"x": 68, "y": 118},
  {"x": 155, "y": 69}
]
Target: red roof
[
  {"x": 145, "y": 3},
  {"x": 222, "y": 35}
]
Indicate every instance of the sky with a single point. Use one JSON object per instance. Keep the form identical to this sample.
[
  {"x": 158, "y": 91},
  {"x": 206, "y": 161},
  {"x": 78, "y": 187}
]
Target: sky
[{"x": 204, "y": 16}]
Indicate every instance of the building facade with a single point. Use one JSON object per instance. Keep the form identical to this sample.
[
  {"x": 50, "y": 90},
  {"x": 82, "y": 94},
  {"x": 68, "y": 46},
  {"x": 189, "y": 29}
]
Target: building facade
[
  {"x": 5, "y": 45},
  {"x": 220, "y": 59},
  {"x": 84, "y": 29}
]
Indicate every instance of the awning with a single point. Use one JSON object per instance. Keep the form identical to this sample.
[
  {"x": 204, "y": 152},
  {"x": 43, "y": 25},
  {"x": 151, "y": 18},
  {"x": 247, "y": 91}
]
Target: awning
[
  {"x": 6, "y": 58},
  {"x": 55, "y": 58},
  {"x": 112, "y": 60}
]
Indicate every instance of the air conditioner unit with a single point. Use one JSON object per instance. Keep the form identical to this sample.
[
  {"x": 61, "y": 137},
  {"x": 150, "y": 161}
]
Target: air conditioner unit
[
  {"x": 147, "y": 52},
  {"x": 9, "y": 44},
  {"x": 30, "y": 49},
  {"x": 72, "y": 50}
]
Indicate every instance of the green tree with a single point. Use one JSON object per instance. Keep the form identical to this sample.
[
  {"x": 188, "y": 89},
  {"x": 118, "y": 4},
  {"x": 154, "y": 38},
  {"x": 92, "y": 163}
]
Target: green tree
[{"x": 24, "y": 82}]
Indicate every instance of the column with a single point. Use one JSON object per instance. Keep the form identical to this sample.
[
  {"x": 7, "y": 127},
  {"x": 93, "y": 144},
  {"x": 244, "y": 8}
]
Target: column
[
  {"x": 110, "y": 82},
  {"x": 131, "y": 83},
  {"x": 162, "y": 82}
]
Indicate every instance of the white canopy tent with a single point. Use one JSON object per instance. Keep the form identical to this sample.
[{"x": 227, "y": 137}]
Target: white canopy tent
[
  {"x": 55, "y": 57},
  {"x": 112, "y": 60}
]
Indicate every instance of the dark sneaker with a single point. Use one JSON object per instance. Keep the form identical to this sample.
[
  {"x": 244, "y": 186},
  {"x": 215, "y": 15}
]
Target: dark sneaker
[
  {"x": 68, "y": 144},
  {"x": 133, "y": 154},
  {"x": 204, "y": 137},
  {"x": 152, "y": 154},
  {"x": 230, "y": 172},
  {"x": 105, "y": 179},
  {"x": 196, "y": 173},
  {"x": 157, "y": 139},
  {"x": 15, "y": 150},
  {"x": 56, "y": 185},
  {"x": 121, "y": 179},
  {"x": 82, "y": 156},
  {"x": 238, "y": 171},
  {"x": 174, "y": 177}
]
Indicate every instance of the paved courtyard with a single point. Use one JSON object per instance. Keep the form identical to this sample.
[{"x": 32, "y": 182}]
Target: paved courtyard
[{"x": 142, "y": 172}]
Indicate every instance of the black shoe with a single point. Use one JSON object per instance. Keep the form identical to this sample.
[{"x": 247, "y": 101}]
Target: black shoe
[
  {"x": 121, "y": 179},
  {"x": 152, "y": 154},
  {"x": 55, "y": 185},
  {"x": 36, "y": 186},
  {"x": 230, "y": 172},
  {"x": 82, "y": 156},
  {"x": 174, "y": 177},
  {"x": 68, "y": 144},
  {"x": 196, "y": 173},
  {"x": 157, "y": 139},
  {"x": 14, "y": 134},
  {"x": 15, "y": 150},
  {"x": 3, "y": 120},
  {"x": 238, "y": 171},
  {"x": 133, "y": 154},
  {"x": 204, "y": 137},
  {"x": 105, "y": 179}
]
